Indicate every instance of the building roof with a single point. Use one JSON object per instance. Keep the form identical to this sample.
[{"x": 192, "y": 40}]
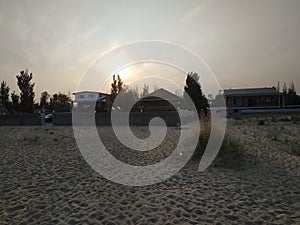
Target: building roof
[
  {"x": 251, "y": 92},
  {"x": 164, "y": 94},
  {"x": 90, "y": 92},
  {"x": 98, "y": 96}
]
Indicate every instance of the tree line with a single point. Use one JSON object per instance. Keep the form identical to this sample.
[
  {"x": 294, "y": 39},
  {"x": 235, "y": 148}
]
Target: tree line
[
  {"x": 24, "y": 101},
  {"x": 290, "y": 96},
  {"x": 192, "y": 89}
]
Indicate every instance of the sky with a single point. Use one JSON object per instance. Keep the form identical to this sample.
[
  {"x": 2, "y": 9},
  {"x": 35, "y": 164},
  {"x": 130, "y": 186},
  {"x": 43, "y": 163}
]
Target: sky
[{"x": 245, "y": 43}]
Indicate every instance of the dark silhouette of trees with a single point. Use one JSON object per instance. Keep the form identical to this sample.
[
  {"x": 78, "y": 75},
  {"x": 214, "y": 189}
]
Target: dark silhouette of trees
[
  {"x": 27, "y": 93},
  {"x": 193, "y": 89},
  {"x": 15, "y": 102},
  {"x": 4, "y": 95},
  {"x": 284, "y": 89},
  {"x": 60, "y": 102},
  {"x": 116, "y": 87},
  {"x": 290, "y": 95},
  {"x": 44, "y": 101}
]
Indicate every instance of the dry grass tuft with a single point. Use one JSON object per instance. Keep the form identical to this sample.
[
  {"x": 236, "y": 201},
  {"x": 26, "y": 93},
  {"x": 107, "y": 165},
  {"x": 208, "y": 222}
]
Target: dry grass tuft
[{"x": 231, "y": 154}]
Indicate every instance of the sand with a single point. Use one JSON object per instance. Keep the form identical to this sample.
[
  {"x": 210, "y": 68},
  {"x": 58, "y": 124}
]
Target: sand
[{"x": 45, "y": 180}]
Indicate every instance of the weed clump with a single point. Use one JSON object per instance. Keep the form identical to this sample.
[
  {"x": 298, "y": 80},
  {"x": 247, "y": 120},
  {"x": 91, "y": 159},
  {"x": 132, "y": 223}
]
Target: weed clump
[
  {"x": 231, "y": 153},
  {"x": 32, "y": 139},
  {"x": 261, "y": 122}
]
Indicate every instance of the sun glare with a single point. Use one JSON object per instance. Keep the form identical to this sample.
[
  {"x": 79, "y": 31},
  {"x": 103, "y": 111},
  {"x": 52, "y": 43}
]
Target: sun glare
[{"x": 123, "y": 74}]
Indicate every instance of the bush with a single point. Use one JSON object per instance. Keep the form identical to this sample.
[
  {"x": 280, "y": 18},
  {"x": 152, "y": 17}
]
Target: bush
[
  {"x": 231, "y": 154},
  {"x": 285, "y": 119},
  {"x": 237, "y": 118},
  {"x": 261, "y": 122},
  {"x": 295, "y": 119},
  {"x": 273, "y": 119}
]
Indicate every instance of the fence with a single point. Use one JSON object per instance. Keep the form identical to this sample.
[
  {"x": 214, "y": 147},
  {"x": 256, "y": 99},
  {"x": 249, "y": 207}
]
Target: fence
[
  {"x": 135, "y": 118},
  {"x": 30, "y": 119}
]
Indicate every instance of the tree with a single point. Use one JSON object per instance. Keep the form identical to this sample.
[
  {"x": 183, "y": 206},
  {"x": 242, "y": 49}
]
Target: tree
[
  {"x": 145, "y": 91},
  {"x": 15, "y": 102},
  {"x": 290, "y": 96},
  {"x": 116, "y": 87},
  {"x": 292, "y": 88},
  {"x": 60, "y": 102},
  {"x": 4, "y": 94},
  {"x": 193, "y": 89},
  {"x": 27, "y": 93},
  {"x": 284, "y": 89},
  {"x": 44, "y": 100}
]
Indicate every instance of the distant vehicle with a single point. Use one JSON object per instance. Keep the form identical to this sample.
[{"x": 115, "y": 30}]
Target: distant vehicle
[{"x": 49, "y": 118}]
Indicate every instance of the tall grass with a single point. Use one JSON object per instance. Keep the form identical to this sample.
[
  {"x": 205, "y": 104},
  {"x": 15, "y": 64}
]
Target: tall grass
[{"x": 231, "y": 153}]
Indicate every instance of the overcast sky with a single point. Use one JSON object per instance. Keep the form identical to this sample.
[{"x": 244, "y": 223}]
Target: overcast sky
[{"x": 246, "y": 43}]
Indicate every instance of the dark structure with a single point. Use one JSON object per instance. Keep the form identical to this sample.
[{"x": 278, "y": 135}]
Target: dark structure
[
  {"x": 165, "y": 102},
  {"x": 252, "y": 98}
]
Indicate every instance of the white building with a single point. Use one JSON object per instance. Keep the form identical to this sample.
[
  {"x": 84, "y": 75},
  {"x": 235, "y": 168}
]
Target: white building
[{"x": 85, "y": 100}]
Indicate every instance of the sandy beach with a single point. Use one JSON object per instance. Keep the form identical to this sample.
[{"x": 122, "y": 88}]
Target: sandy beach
[{"x": 45, "y": 180}]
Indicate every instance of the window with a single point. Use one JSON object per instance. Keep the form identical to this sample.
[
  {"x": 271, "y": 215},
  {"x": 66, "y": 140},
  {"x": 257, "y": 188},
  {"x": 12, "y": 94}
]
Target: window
[{"x": 81, "y": 96}]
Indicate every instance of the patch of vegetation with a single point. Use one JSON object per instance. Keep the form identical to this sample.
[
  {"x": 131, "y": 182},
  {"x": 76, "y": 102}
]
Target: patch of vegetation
[
  {"x": 231, "y": 154},
  {"x": 295, "y": 119},
  {"x": 285, "y": 119},
  {"x": 274, "y": 120},
  {"x": 273, "y": 134},
  {"x": 261, "y": 122},
  {"x": 237, "y": 118},
  {"x": 32, "y": 139},
  {"x": 295, "y": 151}
]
